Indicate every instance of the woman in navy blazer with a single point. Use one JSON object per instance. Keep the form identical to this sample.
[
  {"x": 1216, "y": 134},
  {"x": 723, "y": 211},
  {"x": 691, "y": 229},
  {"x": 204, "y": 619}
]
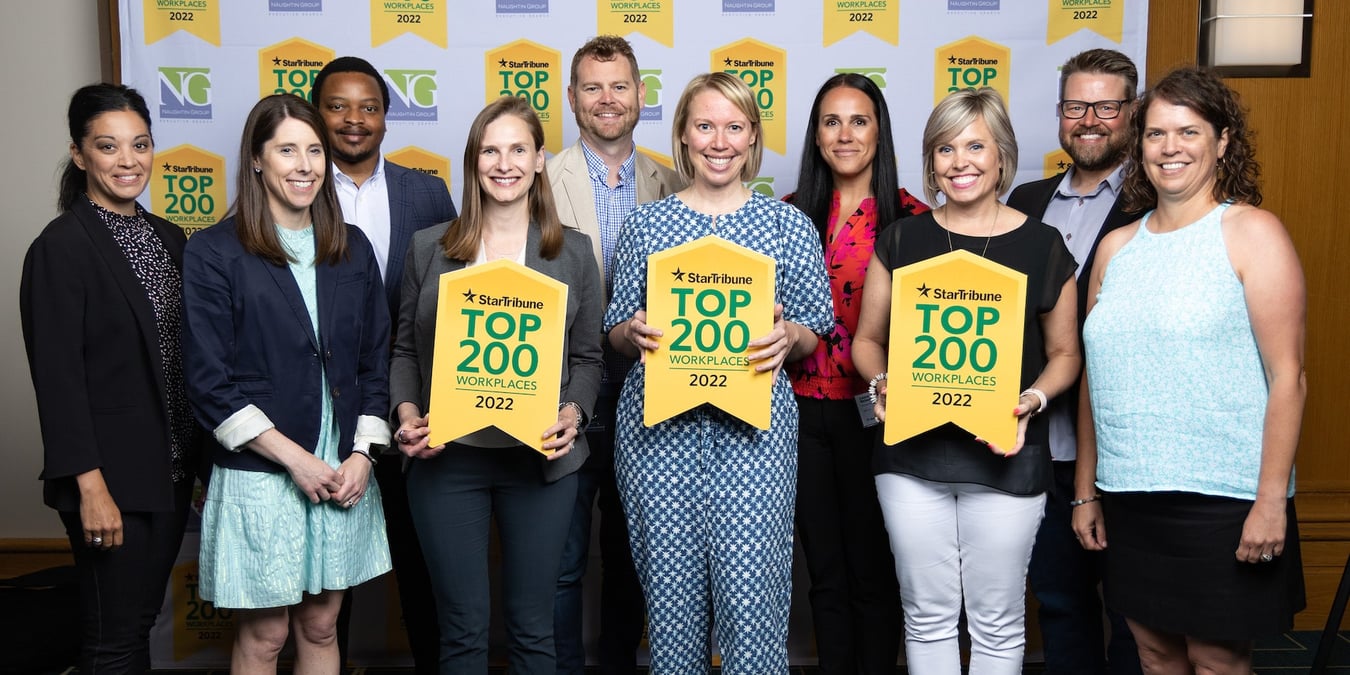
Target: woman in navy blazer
[
  {"x": 456, "y": 489},
  {"x": 101, "y": 301},
  {"x": 286, "y": 351}
]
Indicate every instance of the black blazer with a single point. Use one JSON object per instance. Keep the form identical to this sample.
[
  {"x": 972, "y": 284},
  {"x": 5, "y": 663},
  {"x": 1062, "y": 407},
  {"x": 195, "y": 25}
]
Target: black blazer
[
  {"x": 416, "y": 201},
  {"x": 1033, "y": 198},
  {"x": 93, "y": 352},
  {"x": 248, "y": 340}
]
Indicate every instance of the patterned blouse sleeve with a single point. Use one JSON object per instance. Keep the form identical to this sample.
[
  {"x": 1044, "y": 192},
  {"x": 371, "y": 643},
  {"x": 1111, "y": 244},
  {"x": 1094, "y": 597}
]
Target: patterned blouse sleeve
[
  {"x": 629, "y": 271},
  {"x": 803, "y": 286}
]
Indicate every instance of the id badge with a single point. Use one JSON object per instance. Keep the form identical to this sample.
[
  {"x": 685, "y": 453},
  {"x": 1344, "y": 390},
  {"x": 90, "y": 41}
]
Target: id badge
[{"x": 866, "y": 412}]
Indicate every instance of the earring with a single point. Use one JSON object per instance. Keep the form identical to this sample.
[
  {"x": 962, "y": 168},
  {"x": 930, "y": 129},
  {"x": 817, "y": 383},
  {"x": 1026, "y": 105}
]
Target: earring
[{"x": 257, "y": 170}]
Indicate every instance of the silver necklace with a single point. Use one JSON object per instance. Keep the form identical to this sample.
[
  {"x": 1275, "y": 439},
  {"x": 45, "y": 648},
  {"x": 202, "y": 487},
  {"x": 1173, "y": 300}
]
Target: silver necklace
[{"x": 987, "y": 239}]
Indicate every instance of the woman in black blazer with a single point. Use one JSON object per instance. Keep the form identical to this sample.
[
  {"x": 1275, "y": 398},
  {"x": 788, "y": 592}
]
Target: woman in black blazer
[
  {"x": 455, "y": 489},
  {"x": 286, "y": 349},
  {"x": 101, "y": 301}
]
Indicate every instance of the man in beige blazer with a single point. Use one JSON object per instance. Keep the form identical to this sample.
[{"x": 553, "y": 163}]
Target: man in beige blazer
[{"x": 596, "y": 182}]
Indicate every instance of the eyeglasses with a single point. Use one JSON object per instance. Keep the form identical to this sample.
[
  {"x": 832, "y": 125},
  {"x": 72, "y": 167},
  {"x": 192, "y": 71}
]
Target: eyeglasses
[{"x": 1105, "y": 110}]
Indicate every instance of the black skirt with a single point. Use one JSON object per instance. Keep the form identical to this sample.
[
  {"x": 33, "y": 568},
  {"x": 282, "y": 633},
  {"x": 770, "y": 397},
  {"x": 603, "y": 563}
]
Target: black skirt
[{"x": 1171, "y": 566}]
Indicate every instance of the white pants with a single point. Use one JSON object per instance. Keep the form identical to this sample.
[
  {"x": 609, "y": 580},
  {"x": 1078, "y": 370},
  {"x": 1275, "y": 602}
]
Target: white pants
[{"x": 950, "y": 537}]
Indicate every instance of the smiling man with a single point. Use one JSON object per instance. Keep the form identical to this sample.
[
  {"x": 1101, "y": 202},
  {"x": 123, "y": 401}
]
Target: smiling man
[
  {"x": 389, "y": 203},
  {"x": 1097, "y": 91},
  {"x": 596, "y": 183}
]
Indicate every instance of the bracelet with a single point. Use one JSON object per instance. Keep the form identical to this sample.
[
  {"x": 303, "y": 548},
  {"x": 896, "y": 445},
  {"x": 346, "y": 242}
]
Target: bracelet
[
  {"x": 367, "y": 455},
  {"x": 872, "y": 386},
  {"x": 1040, "y": 396},
  {"x": 581, "y": 414},
  {"x": 1079, "y": 502}
]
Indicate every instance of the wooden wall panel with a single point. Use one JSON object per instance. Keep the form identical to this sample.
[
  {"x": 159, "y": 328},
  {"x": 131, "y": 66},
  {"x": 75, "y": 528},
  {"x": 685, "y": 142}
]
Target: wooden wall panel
[{"x": 1300, "y": 138}]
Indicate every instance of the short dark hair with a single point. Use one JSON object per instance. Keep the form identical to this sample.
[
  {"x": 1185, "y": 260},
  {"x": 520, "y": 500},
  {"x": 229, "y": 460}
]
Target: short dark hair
[
  {"x": 253, "y": 220},
  {"x": 815, "y": 179},
  {"x": 1101, "y": 62},
  {"x": 1237, "y": 176},
  {"x": 605, "y": 48},
  {"x": 348, "y": 64},
  {"x": 87, "y": 103}
]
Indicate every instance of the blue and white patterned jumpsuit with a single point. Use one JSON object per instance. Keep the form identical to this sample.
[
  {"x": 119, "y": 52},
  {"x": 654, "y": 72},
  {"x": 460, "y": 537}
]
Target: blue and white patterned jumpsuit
[{"x": 709, "y": 498}]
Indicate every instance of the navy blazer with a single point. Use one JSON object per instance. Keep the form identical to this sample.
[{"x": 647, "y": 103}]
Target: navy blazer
[
  {"x": 247, "y": 339},
  {"x": 93, "y": 353},
  {"x": 416, "y": 201}
]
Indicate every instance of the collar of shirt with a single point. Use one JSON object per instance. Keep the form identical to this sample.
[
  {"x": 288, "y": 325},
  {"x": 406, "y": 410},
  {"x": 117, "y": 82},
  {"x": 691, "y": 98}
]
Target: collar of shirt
[
  {"x": 1112, "y": 182},
  {"x": 367, "y": 207},
  {"x": 342, "y": 180},
  {"x": 599, "y": 171}
]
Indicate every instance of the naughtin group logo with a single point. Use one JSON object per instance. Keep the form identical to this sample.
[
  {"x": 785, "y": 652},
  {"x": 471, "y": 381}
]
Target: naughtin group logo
[
  {"x": 876, "y": 75},
  {"x": 522, "y": 6},
  {"x": 414, "y": 95},
  {"x": 751, "y": 6},
  {"x": 184, "y": 93},
  {"x": 762, "y": 185},
  {"x": 289, "y": 67},
  {"x": 651, "y": 106},
  {"x": 295, "y": 5}
]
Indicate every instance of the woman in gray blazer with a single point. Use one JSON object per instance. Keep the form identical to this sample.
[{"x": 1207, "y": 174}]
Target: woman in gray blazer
[{"x": 455, "y": 489}]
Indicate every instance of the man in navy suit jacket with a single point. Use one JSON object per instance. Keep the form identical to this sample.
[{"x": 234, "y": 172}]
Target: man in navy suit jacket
[
  {"x": 1097, "y": 90},
  {"x": 389, "y": 203}
]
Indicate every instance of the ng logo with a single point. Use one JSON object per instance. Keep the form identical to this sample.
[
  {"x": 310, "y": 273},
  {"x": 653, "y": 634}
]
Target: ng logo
[
  {"x": 414, "y": 95},
  {"x": 876, "y": 75},
  {"x": 761, "y": 184},
  {"x": 184, "y": 93},
  {"x": 651, "y": 106}
]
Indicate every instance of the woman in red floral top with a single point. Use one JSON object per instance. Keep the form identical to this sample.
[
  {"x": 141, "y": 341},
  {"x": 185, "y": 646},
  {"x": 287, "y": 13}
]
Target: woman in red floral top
[{"x": 848, "y": 169}]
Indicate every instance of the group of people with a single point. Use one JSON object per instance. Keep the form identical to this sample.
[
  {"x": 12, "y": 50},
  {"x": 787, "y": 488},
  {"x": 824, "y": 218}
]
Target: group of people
[{"x": 286, "y": 353}]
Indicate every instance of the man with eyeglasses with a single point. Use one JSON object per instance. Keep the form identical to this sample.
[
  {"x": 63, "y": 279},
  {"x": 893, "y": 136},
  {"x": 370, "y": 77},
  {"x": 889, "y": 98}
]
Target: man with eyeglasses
[{"x": 1097, "y": 91}]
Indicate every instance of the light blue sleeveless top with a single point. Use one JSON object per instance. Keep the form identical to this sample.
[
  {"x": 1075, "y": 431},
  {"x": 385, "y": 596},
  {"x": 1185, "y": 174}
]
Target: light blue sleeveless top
[{"x": 1178, "y": 390}]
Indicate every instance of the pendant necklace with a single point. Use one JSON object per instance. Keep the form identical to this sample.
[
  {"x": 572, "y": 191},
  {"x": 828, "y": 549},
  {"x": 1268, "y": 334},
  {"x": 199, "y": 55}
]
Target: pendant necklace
[{"x": 987, "y": 239}]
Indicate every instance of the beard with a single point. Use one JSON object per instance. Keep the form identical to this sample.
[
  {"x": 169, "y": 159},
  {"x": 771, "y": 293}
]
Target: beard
[
  {"x": 349, "y": 157},
  {"x": 1096, "y": 158}
]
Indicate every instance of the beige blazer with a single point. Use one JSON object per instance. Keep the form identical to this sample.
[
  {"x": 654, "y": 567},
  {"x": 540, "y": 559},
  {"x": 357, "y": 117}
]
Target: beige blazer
[{"x": 575, "y": 200}]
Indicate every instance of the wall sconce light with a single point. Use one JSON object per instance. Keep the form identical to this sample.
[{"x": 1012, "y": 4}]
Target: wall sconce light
[{"x": 1256, "y": 38}]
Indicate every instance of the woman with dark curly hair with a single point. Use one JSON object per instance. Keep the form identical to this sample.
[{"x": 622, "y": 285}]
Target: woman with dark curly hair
[{"x": 1194, "y": 340}]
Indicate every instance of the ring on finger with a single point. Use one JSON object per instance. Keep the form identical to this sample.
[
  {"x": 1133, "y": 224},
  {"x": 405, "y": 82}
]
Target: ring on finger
[
  {"x": 1267, "y": 557},
  {"x": 400, "y": 438}
]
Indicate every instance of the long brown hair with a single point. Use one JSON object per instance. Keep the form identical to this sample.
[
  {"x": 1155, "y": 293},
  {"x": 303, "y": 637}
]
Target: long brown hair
[
  {"x": 254, "y": 223},
  {"x": 462, "y": 237}
]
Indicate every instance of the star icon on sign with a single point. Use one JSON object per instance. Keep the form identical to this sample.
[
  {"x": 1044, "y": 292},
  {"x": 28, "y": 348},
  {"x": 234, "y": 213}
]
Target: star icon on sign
[
  {"x": 951, "y": 59},
  {"x": 502, "y": 63},
  {"x": 1061, "y": 165},
  {"x": 923, "y": 290},
  {"x": 276, "y": 60},
  {"x": 726, "y": 61},
  {"x": 678, "y": 274},
  {"x": 468, "y": 296},
  {"x": 166, "y": 166}
]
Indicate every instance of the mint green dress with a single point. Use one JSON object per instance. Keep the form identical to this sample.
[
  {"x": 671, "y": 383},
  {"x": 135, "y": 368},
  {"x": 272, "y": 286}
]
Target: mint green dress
[{"x": 263, "y": 543}]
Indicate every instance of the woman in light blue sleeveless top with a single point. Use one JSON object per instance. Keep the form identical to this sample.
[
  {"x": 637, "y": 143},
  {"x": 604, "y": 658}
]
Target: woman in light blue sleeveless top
[
  {"x": 1194, "y": 344},
  {"x": 286, "y": 340}
]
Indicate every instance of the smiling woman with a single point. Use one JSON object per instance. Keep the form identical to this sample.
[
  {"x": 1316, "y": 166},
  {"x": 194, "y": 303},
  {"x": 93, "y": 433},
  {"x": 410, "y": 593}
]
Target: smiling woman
[{"x": 286, "y": 351}]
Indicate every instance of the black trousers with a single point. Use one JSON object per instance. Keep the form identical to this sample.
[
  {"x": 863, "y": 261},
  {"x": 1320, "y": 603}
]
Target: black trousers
[
  {"x": 855, "y": 600},
  {"x": 122, "y": 590}
]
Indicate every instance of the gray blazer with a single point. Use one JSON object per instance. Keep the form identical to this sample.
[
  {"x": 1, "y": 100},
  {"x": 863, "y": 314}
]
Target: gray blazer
[
  {"x": 410, "y": 369},
  {"x": 575, "y": 200}
]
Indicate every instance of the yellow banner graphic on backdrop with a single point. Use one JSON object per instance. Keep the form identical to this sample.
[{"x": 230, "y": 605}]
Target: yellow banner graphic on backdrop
[
  {"x": 198, "y": 626},
  {"x": 290, "y": 66},
  {"x": 1103, "y": 17},
  {"x": 664, "y": 160},
  {"x": 880, "y": 18},
  {"x": 196, "y": 17},
  {"x": 499, "y": 352},
  {"x": 532, "y": 72},
  {"x": 424, "y": 18},
  {"x": 1057, "y": 162},
  {"x": 417, "y": 159},
  {"x": 709, "y": 297},
  {"x": 187, "y": 187},
  {"x": 653, "y": 18},
  {"x": 763, "y": 67},
  {"x": 955, "y": 348},
  {"x": 971, "y": 62}
]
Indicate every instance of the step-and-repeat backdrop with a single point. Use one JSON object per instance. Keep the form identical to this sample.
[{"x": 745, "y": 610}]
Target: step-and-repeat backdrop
[{"x": 202, "y": 64}]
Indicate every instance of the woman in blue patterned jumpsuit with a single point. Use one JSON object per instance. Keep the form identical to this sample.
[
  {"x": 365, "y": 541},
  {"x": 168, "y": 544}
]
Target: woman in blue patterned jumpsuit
[{"x": 709, "y": 498}]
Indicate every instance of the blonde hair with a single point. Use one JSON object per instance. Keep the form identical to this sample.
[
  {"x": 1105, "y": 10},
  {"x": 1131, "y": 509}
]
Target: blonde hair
[
  {"x": 733, "y": 89},
  {"x": 958, "y": 111}
]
